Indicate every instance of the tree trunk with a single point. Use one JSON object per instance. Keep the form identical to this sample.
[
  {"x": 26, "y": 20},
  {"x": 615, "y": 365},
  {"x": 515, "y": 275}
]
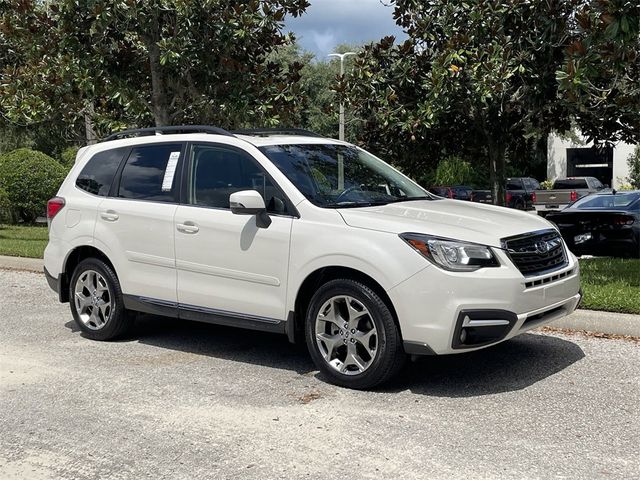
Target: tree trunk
[
  {"x": 496, "y": 172},
  {"x": 89, "y": 131},
  {"x": 159, "y": 100}
]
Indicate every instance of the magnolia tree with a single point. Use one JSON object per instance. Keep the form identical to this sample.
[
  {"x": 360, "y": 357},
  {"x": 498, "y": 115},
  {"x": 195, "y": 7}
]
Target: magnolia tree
[
  {"x": 108, "y": 64},
  {"x": 479, "y": 79}
]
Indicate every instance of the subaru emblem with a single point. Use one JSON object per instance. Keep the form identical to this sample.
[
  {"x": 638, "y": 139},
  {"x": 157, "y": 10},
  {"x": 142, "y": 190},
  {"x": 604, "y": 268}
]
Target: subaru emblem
[{"x": 542, "y": 247}]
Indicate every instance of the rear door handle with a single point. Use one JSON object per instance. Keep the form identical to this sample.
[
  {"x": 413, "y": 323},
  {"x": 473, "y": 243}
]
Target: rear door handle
[
  {"x": 187, "y": 227},
  {"x": 109, "y": 216}
]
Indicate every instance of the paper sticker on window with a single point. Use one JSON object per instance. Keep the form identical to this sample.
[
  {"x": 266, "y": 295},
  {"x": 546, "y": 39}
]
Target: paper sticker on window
[{"x": 170, "y": 172}]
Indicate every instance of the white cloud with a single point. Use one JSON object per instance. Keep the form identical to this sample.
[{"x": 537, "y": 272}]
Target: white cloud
[
  {"x": 324, "y": 41},
  {"x": 328, "y": 23}
]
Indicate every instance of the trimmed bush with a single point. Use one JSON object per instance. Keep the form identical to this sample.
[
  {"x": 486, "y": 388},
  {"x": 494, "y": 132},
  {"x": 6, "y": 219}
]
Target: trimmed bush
[
  {"x": 68, "y": 156},
  {"x": 29, "y": 178},
  {"x": 5, "y": 207}
]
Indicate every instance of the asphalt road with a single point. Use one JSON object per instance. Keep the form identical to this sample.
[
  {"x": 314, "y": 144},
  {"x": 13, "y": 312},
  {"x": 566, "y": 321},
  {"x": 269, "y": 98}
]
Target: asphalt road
[{"x": 184, "y": 400}]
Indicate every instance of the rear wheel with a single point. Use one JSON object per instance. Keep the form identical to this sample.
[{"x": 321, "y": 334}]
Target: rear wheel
[
  {"x": 352, "y": 336},
  {"x": 96, "y": 301}
]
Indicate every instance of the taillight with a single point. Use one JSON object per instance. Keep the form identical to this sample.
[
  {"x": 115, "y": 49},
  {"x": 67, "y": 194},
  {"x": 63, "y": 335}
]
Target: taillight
[
  {"x": 623, "y": 220},
  {"x": 53, "y": 207},
  {"x": 534, "y": 198},
  {"x": 509, "y": 196},
  {"x": 573, "y": 196}
]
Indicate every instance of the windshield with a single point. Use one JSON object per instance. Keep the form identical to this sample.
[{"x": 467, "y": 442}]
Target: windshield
[
  {"x": 621, "y": 200},
  {"x": 342, "y": 176}
]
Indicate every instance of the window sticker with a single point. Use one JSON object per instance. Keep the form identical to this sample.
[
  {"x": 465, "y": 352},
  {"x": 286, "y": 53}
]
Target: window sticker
[{"x": 170, "y": 172}]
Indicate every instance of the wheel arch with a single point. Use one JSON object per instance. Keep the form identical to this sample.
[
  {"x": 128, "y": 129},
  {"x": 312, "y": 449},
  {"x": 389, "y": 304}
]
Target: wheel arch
[
  {"x": 320, "y": 276},
  {"x": 75, "y": 256}
]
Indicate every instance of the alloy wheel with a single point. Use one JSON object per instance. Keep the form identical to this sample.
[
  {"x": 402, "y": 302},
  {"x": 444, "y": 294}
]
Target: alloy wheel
[
  {"x": 346, "y": 335},
  {"x": 92, "y": 299}
]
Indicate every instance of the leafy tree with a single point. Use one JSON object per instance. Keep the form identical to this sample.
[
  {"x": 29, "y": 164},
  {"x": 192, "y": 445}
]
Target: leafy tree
[
  {"x": 107, "y": 64},
  {"x": 319, "y": 78},
  {"x": 453, "y": 171},
  {"x": 478, "y": 79},
  {"x": 600, "y": 72}
]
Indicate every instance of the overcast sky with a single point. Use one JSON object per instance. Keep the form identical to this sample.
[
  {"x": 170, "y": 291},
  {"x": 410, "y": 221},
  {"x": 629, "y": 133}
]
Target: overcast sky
[{"x": 328, "y": 23}]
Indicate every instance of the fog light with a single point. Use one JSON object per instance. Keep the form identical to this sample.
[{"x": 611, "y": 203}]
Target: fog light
[
  {"x": 583, "y": 237},
  {"x": 463, "y": 336}
]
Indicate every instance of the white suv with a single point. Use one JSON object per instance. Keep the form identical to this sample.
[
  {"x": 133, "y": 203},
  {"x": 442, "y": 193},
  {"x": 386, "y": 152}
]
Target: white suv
[{"x": 289, "y": 232}]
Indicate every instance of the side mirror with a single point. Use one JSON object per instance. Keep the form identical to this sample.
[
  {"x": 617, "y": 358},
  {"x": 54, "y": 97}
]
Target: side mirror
[{"x": 250, "y": 202}]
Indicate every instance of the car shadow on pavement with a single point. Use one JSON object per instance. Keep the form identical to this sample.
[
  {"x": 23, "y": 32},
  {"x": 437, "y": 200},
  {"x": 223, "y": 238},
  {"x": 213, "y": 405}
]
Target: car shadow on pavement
[
  {"x": 509, "y": 366},
  {"x": 513, "y": 365},
  {"x": 236, "y": 344}
]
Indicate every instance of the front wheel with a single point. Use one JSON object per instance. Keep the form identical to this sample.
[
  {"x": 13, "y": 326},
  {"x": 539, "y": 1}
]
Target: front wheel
[
  {"x": 96, "y": 301},
  {"x": 352, "y": 336}
]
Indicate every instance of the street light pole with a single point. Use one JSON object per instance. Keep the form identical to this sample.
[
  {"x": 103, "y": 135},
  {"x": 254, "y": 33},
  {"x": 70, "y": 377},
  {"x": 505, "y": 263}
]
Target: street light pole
[{"x": 341, "y": 56}]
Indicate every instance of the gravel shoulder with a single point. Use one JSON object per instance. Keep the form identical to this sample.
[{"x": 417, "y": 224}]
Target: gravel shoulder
[{"x": 184, "y": 400}]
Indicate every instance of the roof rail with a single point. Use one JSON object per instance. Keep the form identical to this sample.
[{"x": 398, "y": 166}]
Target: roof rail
[
  {"x": 266, "y": 132},
  {"x": 140, "y": 132}
]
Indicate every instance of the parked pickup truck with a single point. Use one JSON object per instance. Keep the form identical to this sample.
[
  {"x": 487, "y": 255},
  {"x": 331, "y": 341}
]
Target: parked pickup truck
[
  {"x": 565, "y": 191},
  {"x": 520, "y": 193}
]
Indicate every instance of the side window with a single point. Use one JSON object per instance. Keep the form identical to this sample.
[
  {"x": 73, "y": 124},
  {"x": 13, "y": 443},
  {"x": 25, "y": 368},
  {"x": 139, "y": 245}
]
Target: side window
[
  {"x": 149, "y": 173},
  {"x": 218, "y": 171},
  {"x": 97, "y": 175}
]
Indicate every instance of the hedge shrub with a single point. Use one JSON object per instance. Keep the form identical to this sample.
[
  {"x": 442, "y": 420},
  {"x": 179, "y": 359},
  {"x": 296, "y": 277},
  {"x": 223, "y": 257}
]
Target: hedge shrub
[
  {"x": 5, "y": 207},
  {"x": 29, "y": 178},
  {"x": 68, "y": 156}
]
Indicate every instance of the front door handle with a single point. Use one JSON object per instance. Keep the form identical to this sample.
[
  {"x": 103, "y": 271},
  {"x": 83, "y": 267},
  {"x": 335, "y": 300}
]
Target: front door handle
[
  {"x": 187, "y": 227},
  {"x": 109, "y": 216}
]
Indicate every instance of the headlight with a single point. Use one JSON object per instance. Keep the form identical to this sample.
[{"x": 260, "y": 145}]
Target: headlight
[{"x": 451, "y": 254}]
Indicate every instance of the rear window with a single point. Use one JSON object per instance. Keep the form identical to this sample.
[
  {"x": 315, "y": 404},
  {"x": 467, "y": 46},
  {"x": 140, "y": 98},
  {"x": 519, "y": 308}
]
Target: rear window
[
  {"x": 514, "y": 184},
  {"x": 97, "y": 175},
  {"x": 149, "y": 173},
  {"x": 595, "y": 202},
  {"x": 570, "y": 184}
]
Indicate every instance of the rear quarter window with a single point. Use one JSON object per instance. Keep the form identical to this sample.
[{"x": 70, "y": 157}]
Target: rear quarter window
[{"x": 97, "y": 175}]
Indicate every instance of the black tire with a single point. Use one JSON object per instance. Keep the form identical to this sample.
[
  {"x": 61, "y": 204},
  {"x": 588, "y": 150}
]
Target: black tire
[
  {"x": 389, "y": 354},
  {"x": 118, "y": 320}
]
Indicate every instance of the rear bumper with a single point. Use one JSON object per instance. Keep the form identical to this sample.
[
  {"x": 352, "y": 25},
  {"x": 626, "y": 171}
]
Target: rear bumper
[
  {"x": 610, "y": 243},
  {"x": 56, "y": 284},
  {"x": 53, "y": 282}
]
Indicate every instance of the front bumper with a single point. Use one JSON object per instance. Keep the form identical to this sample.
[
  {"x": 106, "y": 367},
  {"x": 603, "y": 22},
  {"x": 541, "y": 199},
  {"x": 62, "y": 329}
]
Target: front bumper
[{"x": 432, "y": 304}]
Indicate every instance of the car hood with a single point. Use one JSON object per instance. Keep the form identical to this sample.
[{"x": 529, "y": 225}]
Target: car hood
[{"x": 460, "y": 220}]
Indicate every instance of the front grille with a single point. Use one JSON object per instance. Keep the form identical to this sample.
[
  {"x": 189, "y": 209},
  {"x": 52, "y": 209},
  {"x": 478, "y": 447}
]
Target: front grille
[{"x": 537, "y": 252}]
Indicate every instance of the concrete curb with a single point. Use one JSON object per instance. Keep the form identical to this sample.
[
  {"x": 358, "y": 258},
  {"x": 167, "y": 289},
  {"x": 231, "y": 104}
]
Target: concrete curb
[
  {"x": 601, "y": 322},
  {"x": 587, "y": 320},
  {"x": 21, "y": 263}
]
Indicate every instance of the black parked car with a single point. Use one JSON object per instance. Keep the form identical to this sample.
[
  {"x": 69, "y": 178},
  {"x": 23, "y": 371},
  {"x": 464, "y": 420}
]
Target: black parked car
[{"x": 605, "y": 223}]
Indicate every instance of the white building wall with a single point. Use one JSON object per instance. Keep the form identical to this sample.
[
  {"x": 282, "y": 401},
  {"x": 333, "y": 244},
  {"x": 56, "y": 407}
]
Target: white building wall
[{"x": 557, "y": 157}]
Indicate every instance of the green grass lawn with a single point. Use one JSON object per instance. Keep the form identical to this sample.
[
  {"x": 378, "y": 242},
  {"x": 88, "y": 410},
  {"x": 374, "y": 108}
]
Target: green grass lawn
[
  {"x": 23, "y": 241},
  {"x": 611, "y": 284}
]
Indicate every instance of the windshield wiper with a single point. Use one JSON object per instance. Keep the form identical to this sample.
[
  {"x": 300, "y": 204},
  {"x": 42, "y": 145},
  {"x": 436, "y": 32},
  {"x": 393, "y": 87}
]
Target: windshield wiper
[
  {"x": 410, "y": 199},
  {"x": 347, "y": 204},
  {"x": 352, "y": 204}
]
